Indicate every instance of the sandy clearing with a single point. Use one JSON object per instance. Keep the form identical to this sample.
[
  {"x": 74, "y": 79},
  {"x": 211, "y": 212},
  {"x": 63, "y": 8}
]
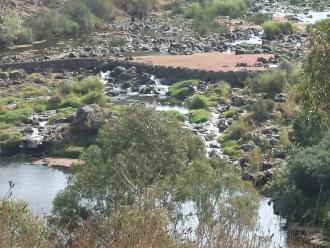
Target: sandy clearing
[
  {"x": 57, "y": 162},
  {"x": 215, "y": 61}
]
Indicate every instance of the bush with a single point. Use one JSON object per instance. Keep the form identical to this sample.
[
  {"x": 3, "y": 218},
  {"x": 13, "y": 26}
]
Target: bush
[
  {"x": 88, "y": 84},
  {"x": 274, "y": 28},
  {"x": 51, "y": 23},
  {"x": 231, "y": 112},
  {"x": 199, "y": 115},
  {"x": 69, "y": 152},
  {"x": 308, "y": 201},
  {"x": 243, "y": 125},
  {"x": 271, "y": 83},
  {"x": 262, "y": 109},
  {"x": 9, "y": 137},
  {"x": 255, "y": 159},
  {"x": 259, "y": 18},
  {"x": 231, "y": 148},
  {"x": 198, "y": 102},
  {"x": 182, "y": 90},
  {"x": 16, "y": 115},
  {"x": 95, "y": 97},
  {"x": 81, "y": 14},
  {"x": 176, "y": 115},
  {"x": 33, "y": 91}
]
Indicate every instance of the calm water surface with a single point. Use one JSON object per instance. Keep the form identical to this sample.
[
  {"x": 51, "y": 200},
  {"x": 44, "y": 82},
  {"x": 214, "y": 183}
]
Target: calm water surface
[{"x": 37, "y": 185}]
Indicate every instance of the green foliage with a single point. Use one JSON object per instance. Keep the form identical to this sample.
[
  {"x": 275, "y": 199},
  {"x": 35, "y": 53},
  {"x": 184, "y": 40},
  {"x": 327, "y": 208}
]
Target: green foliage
[
  {"x": 255, "y": 159},
  {"x": 69, "y": 152},
  {"x": 135, "y": 152},
  {"x": 199, "y": 116},
  {"x": 175, "y": 115},
  {"x": 198, "y": 102},
  {"x": 259, "y": 18},
  {"x": 231, "y": 148},
  {"x": 14, "y": 31},
  {"x": 243, "y": 125},
  {"x": 262, "y": 109},
  {"x": 315, "y": 87},
  {"x": 9, "y": 137},
  {"x": 16, "y": 115},
  {"x": 296, "y": 196},
  {"x": 61, "y": 113},
  {"x": 306, "y": 131},
  {"x": 271, "y": 83},
  {"x": 117, "y": 41},
  {"x": 33, "y": 91},
  {"x": 182, "y": 90},
  {"x": 51, "y": 23},
  {"x": 231, "y": 112},
  {"x": 275, "y": 28}
]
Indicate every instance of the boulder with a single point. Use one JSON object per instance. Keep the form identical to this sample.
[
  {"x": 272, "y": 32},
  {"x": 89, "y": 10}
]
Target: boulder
[{"x": 17, "y": 74}]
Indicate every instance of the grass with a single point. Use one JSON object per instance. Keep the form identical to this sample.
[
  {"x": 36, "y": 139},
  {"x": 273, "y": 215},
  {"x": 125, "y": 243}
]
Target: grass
[
  {"x": 33, "y": 91},
  {"x": 16, "y": 115},
  {"x": 271, "y": 83},
  {"x": 259, "y": 18},
  {"x": 231, "y": 148},
  {"x": 231, "y": 112},
  {"x": 240, "y": 127},
  {"x": 198, "y": 101},
  {"x": 255, "y": 159},
  {"x": 175, "y": 115},
  {"x": 9, "y": 137},
  {"x": 275, "y": 28},
  {"x": 199, "y": 116},
  {"x": 182, "y": 90},
  {"x": 69, "y": 152}
]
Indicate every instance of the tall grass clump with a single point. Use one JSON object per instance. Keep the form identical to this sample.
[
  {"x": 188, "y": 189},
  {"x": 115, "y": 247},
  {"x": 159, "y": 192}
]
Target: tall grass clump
[
  {"x": 271, "y": 83},
  {"x": 275, "y": 28}
]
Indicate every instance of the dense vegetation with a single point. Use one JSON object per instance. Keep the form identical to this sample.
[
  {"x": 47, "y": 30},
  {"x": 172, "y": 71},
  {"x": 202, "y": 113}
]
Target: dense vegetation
[{"x": 73, "y": 16}]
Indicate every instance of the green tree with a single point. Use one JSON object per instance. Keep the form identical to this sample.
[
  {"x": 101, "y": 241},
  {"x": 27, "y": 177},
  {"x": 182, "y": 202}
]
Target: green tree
[
  {"x": 136, "y": 153},
  {"x": 315, "y": 86},
  {"x": 304, "y": 191}
]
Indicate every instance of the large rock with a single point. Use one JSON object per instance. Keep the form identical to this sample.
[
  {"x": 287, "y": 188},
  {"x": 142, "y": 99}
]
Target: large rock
[
  {"x": 17, "y": 74},
  {"x": 91, "y": 117}
]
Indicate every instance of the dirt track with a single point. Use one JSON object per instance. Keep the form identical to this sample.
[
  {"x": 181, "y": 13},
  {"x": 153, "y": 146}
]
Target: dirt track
[{"x": 215, "y": 61}]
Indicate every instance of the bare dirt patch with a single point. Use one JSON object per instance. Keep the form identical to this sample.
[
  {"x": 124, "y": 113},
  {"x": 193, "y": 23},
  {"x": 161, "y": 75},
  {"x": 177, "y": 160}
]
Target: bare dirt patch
[
  {"x": 58, "y": 162},
  {"x": 213, "y": 61}
]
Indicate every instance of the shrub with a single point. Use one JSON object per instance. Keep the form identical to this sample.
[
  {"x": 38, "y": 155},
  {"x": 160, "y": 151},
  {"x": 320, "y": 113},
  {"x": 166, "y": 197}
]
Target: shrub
[
  {"x": 95, "y": 97},
  {"x": 69, "y": 152},
  {"x": 198, "y": 102},
  {"x": 308, "y": 201},
  {"x": 231, "y": 8},
  {"x": 182, "y": 90},
  {"x": 16, "y": 115},
  {"x": 231, "y": 148},
  {"x": 255, "y": 159},
  {"x": 274, "y": 28},
  {"x": 81, "y": 14},
  {"x": 262, "y": 109},
  {"x": 175, "y": 115},
  {"x": 29, "y": 230},
  {"x": 271, "y": 83},
  {"x": 33, "y": 91},
  {"x": 49, "y": 23},
  {"x": 199, "y": 115},
  {"x": 240, "y": 127},
  {"x": 88, "y": 84},
  {"x": 72, "y": 100},
  {"x": 117, "y": 41},
  {"x": 231, "y": 112},
  {"x": 9, "y": 137},
  {"x": 259, "y": 18},
  {"x": 285, "y": 139}
]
